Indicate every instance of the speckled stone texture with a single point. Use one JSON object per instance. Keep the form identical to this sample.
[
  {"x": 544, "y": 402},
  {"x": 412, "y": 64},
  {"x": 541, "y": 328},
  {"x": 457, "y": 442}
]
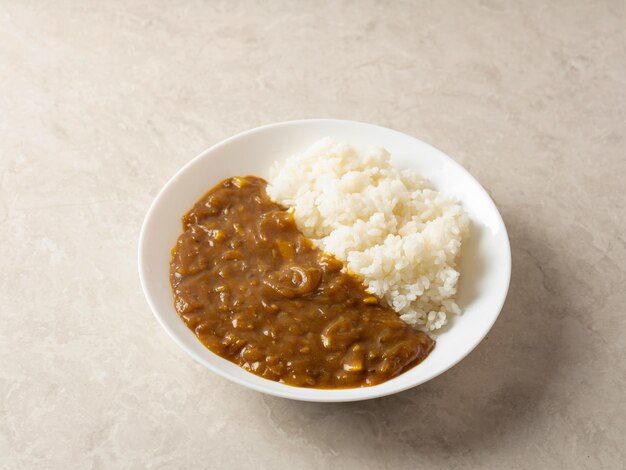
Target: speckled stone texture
[{"x": 101, "y": 102}]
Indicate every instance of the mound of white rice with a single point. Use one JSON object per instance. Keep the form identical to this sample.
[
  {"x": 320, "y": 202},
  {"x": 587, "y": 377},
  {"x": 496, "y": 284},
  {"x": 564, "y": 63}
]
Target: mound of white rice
[{"x": 386, "y": 224}]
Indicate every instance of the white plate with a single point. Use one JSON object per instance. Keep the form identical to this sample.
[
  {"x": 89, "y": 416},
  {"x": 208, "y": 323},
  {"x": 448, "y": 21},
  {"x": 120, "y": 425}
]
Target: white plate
[{"x": 485, "y": 259}]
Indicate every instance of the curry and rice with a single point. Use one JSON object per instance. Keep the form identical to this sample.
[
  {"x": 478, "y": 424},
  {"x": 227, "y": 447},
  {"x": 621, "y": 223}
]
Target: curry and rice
[{"x": 330, "y": 276}]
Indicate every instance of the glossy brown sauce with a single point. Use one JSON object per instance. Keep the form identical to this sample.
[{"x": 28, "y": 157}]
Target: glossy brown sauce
[{"x": 255, "y": 291}]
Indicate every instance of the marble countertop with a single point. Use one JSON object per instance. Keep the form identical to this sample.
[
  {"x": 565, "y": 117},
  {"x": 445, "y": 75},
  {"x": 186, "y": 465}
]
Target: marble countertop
[{"x": 101, "y": 102}]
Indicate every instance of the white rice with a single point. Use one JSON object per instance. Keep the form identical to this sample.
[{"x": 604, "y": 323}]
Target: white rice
[{"x": 387, "y": 225}]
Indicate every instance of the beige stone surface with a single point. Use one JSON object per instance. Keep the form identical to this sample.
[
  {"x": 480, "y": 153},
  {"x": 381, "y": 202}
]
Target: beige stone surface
[{"x": 101, "y": 102}]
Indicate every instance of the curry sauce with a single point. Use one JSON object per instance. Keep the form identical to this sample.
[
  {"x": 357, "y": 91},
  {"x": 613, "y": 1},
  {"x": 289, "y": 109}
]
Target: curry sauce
[{"x": 257, "y": 292}]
